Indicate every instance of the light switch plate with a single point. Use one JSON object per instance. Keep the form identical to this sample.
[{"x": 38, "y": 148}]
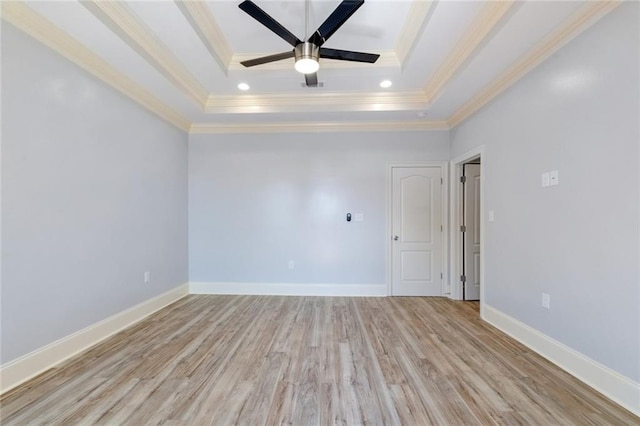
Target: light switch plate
[
  {"x": 358, "y": 217},
  {"x": 553, "y": 178},
  {"x": 546, "y": 301},
  {"x": 545, "y": 180},
  {"x": 491, "y": 216}
]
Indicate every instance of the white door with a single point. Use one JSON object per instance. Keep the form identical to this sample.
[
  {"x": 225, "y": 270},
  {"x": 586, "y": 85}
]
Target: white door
[
  {"x": 471, "y": 236},
  {"x": 416, "y": 268}
]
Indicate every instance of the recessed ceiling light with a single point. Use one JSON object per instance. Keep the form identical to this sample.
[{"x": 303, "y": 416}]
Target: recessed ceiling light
[
  {"x": 421, "y": 115},
  {"x": 385, "y": 84},
  {"x": 243, "y": 86}
]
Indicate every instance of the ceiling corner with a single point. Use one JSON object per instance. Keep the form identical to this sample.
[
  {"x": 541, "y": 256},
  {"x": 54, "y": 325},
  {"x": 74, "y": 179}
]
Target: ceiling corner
[
  {"x": 577, "y": 23},
  {"x": 489, "y": 17},
  {"x": 417, "y": 19},
  {"x": 203, "y": 23}
]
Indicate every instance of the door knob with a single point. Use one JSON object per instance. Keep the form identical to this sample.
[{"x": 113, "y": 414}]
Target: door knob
[{"x": 395, "y": 238}]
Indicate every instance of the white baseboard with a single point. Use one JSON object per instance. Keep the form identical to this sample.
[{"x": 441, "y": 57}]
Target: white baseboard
[
  {"x": 289, "y": 289},
  {"x": 30, "y": 365},
  {"x": 611, "y": 384}
]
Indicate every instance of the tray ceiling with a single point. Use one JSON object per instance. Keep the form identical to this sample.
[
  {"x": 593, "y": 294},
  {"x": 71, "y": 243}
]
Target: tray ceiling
[{"x": 181, "y": 59}]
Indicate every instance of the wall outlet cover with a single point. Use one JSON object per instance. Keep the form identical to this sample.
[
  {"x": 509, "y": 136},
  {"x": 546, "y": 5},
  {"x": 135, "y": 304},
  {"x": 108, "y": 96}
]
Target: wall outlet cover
[
  {"x": 546, "y": 301},
  {"x": 553, "y": 178}
]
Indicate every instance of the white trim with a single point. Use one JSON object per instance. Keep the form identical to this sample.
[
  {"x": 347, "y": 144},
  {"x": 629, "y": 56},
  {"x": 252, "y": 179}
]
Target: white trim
[
  {"x": 565, "y": 32},
  {"x": 420, "y": 13},
  {"x": 454, "y": 220},
  {"x": 611, "y": 384},
  {"x": 317, "y": 101},
  {"x": 123, "y": 21},
  {"x": 316, "y": 127},
  {"x": 30, "y": 365},
  {"x": 444, "y": 172},
  {"x": 481, "y": 30},
  {"x": 24, "y": 18},
  {"x": 289, "y": 289},
  {"x": 446, "y": 288},
  {"x": 203, "y": 23}
]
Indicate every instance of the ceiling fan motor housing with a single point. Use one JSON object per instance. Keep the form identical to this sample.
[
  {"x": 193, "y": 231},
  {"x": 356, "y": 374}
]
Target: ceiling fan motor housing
[{"x": 307, "y": 55}]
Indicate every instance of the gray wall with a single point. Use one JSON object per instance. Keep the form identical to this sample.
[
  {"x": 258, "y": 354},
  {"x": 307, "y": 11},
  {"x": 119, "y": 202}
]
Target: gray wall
[
  {"x": 94, "y": 193},
  {"x": 258, "y": 201},
  {"x": 577, "y": 113}
]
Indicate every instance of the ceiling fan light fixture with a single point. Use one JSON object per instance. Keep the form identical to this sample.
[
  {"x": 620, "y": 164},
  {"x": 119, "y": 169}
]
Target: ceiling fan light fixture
[
  {"x": 307, "y": 55},
  {"x": 307, "y": 66}
]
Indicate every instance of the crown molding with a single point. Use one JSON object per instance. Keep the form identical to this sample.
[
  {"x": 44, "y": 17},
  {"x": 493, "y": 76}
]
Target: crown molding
[
  {"x": 26, "y": 19},
  {"x": 577, "y": 23},
  {"x": 420, "y": 12},
  {"x": 323, "y": 101},
  {"x": 489, "y": 17},
  {"x": 387, "y": 59},
  {"x": 317, "y": 127},
  {"x": 201, "y": 20},
  {"x": 120, "y": 19}
]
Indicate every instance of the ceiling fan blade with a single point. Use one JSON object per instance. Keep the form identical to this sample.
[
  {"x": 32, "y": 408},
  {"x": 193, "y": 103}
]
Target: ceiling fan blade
[
  {"x": 348, "y": 55},
  {"x": 267, "y": 59},
  {"x": 338, "y": 17},
  {"x": 261, "y": 16},
  {"x": 311, "y": 79}
]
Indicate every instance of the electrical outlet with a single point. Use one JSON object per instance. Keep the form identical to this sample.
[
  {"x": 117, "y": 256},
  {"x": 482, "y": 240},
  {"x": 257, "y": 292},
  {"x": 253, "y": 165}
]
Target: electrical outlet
[
  {"x": 147, "y": 277},
  {"x": 292, "y": 264},
  {"x": 553, "y": 178},
  {"x": 546, "y": 301}
]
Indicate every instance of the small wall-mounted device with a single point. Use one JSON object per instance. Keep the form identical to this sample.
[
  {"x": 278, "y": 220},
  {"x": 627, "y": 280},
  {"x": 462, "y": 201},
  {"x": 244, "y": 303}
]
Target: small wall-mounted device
[{"x": 348, "y": 217}]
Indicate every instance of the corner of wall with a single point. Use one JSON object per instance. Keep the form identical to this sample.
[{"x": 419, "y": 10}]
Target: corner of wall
[
  {"x": 611, "y": 384},
  {"x": 32, "y": 364}
]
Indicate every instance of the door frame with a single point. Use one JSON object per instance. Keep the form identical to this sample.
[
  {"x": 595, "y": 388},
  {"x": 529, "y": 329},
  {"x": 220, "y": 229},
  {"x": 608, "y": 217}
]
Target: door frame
[
  {"x": 444, "y": 172},
  {"x": 455, "y": 221}
]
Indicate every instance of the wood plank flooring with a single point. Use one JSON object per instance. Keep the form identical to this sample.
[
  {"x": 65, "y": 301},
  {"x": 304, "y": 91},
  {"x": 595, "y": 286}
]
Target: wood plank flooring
[{"x": 266, "y": 360}]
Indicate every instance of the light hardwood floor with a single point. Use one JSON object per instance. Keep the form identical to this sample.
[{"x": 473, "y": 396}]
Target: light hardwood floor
[{"x": 256, "y": 360}]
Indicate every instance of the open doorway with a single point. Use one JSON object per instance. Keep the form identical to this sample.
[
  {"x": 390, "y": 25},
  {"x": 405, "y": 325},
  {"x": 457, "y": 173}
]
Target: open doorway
[
  {"x": 467, "y": 230},
  {"x": 470, "y": 229}
]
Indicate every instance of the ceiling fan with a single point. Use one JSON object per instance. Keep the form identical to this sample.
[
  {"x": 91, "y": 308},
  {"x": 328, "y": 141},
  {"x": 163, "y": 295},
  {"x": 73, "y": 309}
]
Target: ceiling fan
[{"x": 307, "y": 53}]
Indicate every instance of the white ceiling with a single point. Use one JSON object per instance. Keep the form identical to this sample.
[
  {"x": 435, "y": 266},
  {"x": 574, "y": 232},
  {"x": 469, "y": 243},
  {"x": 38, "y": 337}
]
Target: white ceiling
[{"x": 181, "y": 58}]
